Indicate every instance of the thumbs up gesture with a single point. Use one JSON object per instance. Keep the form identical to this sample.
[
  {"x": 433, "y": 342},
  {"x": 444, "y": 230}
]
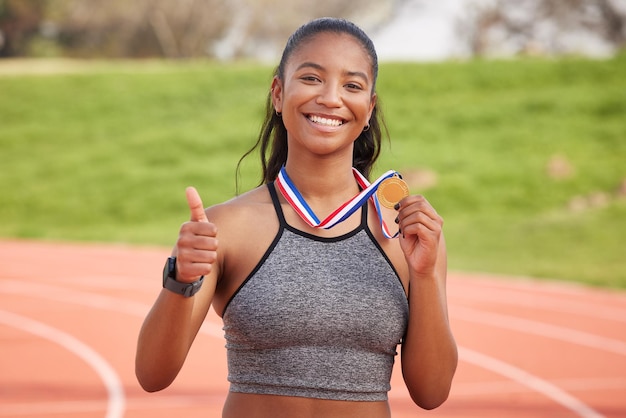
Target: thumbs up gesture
[
  {"x": 195, "y": 205},
  {"x": 196, "y": 248}
]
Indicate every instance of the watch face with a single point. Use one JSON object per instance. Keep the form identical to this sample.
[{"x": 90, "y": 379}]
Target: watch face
[{"x": 169, "y": 270}]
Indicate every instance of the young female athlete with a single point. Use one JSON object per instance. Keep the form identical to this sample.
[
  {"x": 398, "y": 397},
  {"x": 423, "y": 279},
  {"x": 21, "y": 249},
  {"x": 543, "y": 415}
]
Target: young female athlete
[{"x": 312, "y": 316}]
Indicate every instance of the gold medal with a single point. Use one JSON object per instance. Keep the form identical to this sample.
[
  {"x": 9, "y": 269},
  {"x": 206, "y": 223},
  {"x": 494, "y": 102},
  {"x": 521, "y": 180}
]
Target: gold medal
[{"x": 391, "y": 191}]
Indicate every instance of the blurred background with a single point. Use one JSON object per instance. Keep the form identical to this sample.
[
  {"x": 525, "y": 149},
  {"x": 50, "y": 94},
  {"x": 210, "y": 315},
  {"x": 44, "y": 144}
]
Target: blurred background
[
  {"x": 227, "y": 30},
  {"x": 509, "y": 115}
]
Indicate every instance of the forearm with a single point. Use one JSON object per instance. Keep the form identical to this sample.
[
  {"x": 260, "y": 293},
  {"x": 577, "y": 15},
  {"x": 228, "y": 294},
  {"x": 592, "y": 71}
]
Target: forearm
[
  {"x": 429, "y": 352},
  {"x": 164, "y": 340},
  {"x": 174, "y": 320}
]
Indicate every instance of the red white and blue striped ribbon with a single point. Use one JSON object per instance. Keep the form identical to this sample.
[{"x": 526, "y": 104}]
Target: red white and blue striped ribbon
[{"x": 297, "y": 202}]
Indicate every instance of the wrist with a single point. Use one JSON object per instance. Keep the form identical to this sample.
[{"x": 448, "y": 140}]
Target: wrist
[
  {"x": 170, "y": 283},
  {"x": 422, "y": 276}
]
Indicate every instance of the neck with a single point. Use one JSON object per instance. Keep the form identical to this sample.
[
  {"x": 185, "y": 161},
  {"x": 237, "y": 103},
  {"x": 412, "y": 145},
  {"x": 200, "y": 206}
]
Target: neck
[{"x": 323, "y": 180}]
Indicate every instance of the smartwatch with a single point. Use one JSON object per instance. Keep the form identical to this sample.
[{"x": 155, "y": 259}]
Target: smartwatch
[{"x": 170, "y": 283}]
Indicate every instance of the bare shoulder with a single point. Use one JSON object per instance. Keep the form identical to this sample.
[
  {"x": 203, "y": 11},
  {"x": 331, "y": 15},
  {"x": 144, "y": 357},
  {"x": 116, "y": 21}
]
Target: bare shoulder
[
  {"x": 241, "y": 210},
  {"x": 246, "y": 226}
]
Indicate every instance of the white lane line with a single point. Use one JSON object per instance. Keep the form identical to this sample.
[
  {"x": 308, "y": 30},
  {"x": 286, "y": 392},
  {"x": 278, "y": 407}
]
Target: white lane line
[
  {"x": 554, "y": 304},
  {"x": 138, "y": 309},
  {"x": 529, "y": 380},
  {"x": 526, "y": 284},
  {"x": 473, "y": 389},
  {"x": 91, "y": 300},
  {"x": 539, "y": 328},
  {"x": 112, "y": 383}
]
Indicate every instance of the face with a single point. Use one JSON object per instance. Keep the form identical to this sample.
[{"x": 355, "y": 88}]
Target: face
[{"x": 325, "y": 96}]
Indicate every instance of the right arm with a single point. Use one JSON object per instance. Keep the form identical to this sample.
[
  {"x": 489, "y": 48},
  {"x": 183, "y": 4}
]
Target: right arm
[{"x": 174, "y": 320}]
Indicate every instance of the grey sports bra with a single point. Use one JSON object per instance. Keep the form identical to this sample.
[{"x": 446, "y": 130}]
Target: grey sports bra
[{"x": 317, "y": 317}]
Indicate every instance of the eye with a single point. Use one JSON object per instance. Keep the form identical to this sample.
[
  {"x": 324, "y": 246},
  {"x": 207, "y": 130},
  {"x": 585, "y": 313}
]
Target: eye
[
  {"x": 310, "y": 78},
  {"x": 354, "y": 86}
]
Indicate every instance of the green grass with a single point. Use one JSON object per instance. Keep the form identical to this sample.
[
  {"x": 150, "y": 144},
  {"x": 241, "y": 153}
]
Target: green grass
[{"x": 105, "y": 154}]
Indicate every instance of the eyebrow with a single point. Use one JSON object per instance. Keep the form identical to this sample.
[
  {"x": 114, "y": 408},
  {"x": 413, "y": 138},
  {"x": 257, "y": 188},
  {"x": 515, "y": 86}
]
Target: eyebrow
[{"x": 316, "y": 66}]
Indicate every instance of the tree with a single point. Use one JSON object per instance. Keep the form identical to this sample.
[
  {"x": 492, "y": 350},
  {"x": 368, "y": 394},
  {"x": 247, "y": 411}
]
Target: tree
[
  {"x": 161, "y": 28},
  {"x": 550, "y": 27},
  {"x": 19, "y": 23}
]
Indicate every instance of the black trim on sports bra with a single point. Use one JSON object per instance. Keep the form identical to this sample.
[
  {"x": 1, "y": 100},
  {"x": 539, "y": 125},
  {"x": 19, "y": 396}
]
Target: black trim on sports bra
[
  {"x": 276, "y": 202},
  {"x": 284, "y": 225},
  {"x": 279, "y": 233}
]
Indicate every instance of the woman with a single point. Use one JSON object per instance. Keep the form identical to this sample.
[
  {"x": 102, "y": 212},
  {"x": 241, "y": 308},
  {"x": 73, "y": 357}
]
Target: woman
[{"x": 312, "y": 316}]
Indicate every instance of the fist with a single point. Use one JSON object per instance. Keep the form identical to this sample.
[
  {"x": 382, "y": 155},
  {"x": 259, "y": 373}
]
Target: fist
[{"x": 196, "y": 247}]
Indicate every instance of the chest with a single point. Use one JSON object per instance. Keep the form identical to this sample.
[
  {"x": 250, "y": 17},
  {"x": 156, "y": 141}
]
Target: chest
[{"x": 319, "y": 293}]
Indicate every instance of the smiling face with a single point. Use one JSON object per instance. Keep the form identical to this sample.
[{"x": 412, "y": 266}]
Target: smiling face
[{"x": 326, "y": 94}]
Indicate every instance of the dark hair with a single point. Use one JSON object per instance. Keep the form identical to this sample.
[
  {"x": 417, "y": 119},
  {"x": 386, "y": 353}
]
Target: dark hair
[{"x": 273, "y": 134}]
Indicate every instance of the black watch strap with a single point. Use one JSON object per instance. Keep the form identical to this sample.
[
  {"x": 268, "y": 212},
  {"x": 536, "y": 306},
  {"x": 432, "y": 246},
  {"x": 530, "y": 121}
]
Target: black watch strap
[{"x": 170, "y": 283}]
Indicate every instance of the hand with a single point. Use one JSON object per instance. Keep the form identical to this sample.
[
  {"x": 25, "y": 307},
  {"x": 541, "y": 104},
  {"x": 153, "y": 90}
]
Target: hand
[
  {"x": 196, "y": 248},
  {"x": 420, "y": 227}
]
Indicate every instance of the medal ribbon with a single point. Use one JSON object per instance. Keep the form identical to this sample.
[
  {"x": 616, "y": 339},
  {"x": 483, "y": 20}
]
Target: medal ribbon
[{"x": 343, "y": 212}]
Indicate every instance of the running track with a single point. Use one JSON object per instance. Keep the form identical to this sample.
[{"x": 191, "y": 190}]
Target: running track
[{"x": 70, "y": 314}]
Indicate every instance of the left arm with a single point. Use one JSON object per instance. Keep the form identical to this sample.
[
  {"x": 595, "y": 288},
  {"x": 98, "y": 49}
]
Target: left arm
[{"x": 429, "y": 352}]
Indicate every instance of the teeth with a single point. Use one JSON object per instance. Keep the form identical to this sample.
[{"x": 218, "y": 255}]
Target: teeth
[{"x": 324, "y": 121}]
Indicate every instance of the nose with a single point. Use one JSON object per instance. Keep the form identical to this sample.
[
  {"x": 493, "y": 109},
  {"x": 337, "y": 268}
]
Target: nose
[{"x": 330, "y": 95}]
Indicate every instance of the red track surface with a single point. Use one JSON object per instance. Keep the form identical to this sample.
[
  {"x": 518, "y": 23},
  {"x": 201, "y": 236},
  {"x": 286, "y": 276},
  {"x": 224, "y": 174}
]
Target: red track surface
[{"x": 70, "y": 314}]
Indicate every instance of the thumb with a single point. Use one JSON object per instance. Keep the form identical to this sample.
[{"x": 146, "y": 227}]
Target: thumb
[{"x": 195, "y": 205}]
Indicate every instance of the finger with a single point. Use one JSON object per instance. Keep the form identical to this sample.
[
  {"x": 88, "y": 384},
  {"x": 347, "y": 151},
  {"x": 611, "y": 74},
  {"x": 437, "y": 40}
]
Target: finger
[
  {"x": 417, "y": 204},
  {"x": 195, "y": 205},
  {"x": 198, "y": 235},
  {"x": 196, "y": 255},
  {"x": 421, "y": 218},
  {"x": 193, "y": 271}
]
